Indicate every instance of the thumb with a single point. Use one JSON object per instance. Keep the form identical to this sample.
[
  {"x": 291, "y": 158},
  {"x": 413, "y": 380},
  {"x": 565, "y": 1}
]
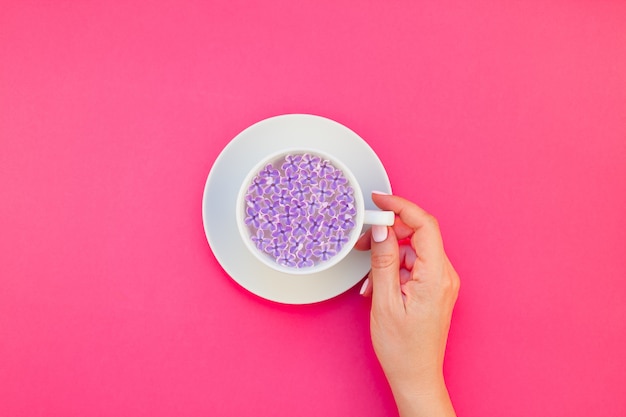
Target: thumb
[{"x": 385, "y": 273}]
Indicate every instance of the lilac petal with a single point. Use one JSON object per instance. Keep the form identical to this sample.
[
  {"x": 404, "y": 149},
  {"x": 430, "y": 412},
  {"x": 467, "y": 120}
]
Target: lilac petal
[
  {"x": 270, "y": 208},
  {"x": 269, "y": 172},
  {"x": 322, "y": 190},
  {"x": 304, "y": 259},
  {"x": 287, "y": 215},
  {"x": 330, "y": 208},
  {"x": 253, "y": 217},
  {"x": 346, "y": 222},
  {"x": 253, "y": 198},
  {"x": 289, "y": 180},
  {"x": 300, "y": 227},
  {"x": 273, "y": 186},
  {"x": 324, "y": 252},
  {"x": 336, "y": 178},
  {"x": 254, "y": 205},
  {"x": 260, "y": 240},
  {"x": 308, "y": 178},
  {"x": 339, "y": 239},
  {"x": 325, "y": 168},
  {"x": 314, "y": 240},
  {"x": 257, "y": 184},
  {"x": 300, "y": 191},
  {"x": 291, "y": 162},
  {"x": 345, "y": 193},
  {"x": 275, "y": 247},
  {"x": 315, "y": 222},
  {"x": 346, "y": 207},
  {"x": 281, "y": 198},
  {"x": 282, "y": 232},
  {"x": 309, "y": 162},
  {"x": 296, "y": 243},
  {"x": 286, "y": 259},
  {"x": 330, "y": 226},
  {"x": 314, "y": 206},
  {"x": 269, "y": 223},
  {"x": 298, "y": 207}
]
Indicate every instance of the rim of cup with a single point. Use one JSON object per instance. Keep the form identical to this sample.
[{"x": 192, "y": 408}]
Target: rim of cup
[{"x": 263, "y": 257}]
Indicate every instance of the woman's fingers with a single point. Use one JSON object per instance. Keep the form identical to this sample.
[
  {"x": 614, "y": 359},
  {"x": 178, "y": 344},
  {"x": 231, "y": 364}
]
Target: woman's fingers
[
  {"x": 426, "y": 238},
  {"x": 385, "y": 274},
  {"x": 407, "y": 259}
]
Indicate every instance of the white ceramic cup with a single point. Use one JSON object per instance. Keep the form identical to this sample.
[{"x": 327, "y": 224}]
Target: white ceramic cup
[{"x": 362, "y": 216}]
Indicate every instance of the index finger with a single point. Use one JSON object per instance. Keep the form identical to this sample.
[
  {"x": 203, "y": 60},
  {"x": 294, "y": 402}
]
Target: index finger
[{"x": 426, "y": 239}]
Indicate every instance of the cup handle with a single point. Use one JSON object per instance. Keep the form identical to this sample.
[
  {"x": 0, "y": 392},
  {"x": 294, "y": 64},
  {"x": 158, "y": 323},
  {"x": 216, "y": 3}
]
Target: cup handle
[{"x": 378, "y": 217}]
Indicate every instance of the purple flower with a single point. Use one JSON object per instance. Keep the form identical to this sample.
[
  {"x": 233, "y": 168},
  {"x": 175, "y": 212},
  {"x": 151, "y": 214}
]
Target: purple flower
[
  {"x": 287, "y": 215},
  {"x": 259, "y": 240},
  {"x": 330, "y": 226},
  {"x": 282, "y": 231},
  {"x": 291, "y": 162},
  {"x": 330, "y": 207},
  {"x": 272, "y": 185},
  {"x": 286, "y": 259},
  {"x": 322, "y": 190},
  {"x": 255, "y": 203},
  {"x": 298, "y": 207},
  {"x": 300, "y": 191},
  {"x": 257, "y": 184},
  {"x": 339, "y": 239},
  {"x": 296, "y": 243},
  {"x": 253, "y": 217},
  {"x": 269, "y": 223},
  {"x": 325, "y": 168},
  {"x": 254, "y": 199},
  {"x": 314, "y": 205},
  {"x": 289, "y": 180},
  {"x": 336, "y": 179},
  {"x": 314, "y": 240},
  {"x": 281, "y": 198},
  {"x": 308, "y": 177},
  {"x": 300, "y": 226},
  {"x": 275, "y": 247},
  {"x": 271, "y": 207},
  {"x": 324, "y": 252},
  {"x": 346, "y": 222},
  {"x": 309, "y": 162},
  {"x": 269, "y": 172},
  {"x": 315, "y": 222},
  {"x": 304, "y": 259},
  {"x": 346, "y": 207},
  {"x": 345, "y": 193}
]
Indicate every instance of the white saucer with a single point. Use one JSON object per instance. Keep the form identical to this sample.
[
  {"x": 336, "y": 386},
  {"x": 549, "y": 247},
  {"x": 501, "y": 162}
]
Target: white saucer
[{"x": 229, "y": 170}]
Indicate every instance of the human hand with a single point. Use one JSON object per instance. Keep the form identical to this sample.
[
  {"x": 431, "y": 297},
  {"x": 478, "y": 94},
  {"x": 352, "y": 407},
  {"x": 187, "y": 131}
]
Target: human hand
[{"x": 413, "y": 287}]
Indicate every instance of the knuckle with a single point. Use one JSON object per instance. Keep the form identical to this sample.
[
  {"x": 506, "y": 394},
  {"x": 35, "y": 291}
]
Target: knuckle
[
  {"x": 432, "y": 220},
  {"x": 382, "y": 260},
  {"x": 447, "y": 285}
]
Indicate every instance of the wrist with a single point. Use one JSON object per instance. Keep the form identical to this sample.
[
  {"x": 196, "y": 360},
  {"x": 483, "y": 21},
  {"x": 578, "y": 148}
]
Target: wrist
[{"x": 423, "y": 398}]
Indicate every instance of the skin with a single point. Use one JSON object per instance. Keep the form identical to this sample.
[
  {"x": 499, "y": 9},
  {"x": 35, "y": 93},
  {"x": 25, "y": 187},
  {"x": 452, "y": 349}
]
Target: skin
[{"x": 414, "y": 288}]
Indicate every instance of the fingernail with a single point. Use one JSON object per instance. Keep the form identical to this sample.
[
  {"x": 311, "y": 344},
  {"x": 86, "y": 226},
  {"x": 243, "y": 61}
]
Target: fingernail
[
  {"x": 364, "y": 286},
  {"x": 379, "y": 233},
  {"x": 380, "y": 192},
  {"x": 361, "y": 235}
]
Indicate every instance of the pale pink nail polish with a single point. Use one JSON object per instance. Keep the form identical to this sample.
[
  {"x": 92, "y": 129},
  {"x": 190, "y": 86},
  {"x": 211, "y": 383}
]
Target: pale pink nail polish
[
  {"x": 364, "y": 286},
  {"x": 379, "y": 192},
  {"x": 379, "y": 233}
]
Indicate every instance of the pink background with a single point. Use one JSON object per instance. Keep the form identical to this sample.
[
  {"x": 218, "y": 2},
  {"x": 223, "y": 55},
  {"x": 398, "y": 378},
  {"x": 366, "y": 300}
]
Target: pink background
[{"x": 507, "y": 120}]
